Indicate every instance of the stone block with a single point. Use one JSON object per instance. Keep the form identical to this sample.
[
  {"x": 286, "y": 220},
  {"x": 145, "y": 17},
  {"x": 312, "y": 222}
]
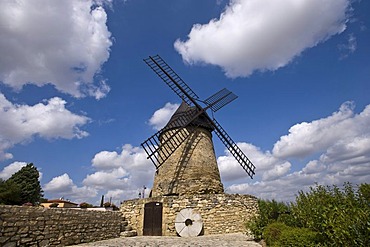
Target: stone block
[{"x": 126, "y": 234}]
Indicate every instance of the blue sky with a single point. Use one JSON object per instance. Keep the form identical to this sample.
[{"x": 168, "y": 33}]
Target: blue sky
[{"x": 77, "y": 100}]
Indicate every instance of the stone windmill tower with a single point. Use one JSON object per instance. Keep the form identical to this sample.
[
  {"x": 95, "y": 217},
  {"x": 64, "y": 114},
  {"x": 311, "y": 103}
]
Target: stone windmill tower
[
  {"x": 183, "y": 150},
  {"x": 187, "y": 189},
  {"x": 192, "y": 168}
]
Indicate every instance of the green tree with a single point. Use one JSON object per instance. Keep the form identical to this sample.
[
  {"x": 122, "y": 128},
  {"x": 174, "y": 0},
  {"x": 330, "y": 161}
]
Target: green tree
[
  {"x": 27, "y": 180},
  {"x": 10, "y": 193}
]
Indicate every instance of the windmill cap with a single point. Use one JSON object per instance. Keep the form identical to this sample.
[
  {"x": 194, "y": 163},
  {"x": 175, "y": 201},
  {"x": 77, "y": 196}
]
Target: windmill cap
[{"x": 200, "y": 121}]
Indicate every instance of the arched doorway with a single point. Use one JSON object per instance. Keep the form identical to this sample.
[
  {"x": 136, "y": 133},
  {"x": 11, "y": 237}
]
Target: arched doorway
[{"x": 153, "y": 219}]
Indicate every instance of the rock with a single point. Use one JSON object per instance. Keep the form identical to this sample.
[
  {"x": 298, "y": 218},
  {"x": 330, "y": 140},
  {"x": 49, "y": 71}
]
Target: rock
[{"x": 126, "y": 234}]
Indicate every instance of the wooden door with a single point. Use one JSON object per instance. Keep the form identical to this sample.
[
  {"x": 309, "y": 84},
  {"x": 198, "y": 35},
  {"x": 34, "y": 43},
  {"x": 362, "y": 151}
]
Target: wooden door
[{"x": 153, "y": 219}]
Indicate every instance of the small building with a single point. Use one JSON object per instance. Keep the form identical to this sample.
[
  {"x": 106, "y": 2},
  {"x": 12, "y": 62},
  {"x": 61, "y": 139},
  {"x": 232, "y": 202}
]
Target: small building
[{"x": 61, "y": 203}]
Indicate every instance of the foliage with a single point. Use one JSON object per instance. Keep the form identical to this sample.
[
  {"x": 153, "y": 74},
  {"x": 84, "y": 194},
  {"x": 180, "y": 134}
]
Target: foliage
[
  {"x": 110, "y": 205},
  {"x": 279, "y": 234},
  {"x": 325, "y": 216},
  {"x": 85, "y": 205},
  {"x": 273, "y": 231},
  {"x": 10, "y": 193},
  {"x": 270, "y": 212},
  {"x": 22, "y": 187},
  {"x": 54, "y": 205},
  {"x": 341, "y": 217}
]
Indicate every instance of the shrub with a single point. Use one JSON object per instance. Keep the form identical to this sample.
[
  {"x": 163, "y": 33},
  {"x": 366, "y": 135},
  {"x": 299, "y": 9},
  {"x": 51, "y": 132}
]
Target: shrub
[
  {"x": 325, "y": 216},
  {"x": 279, "y": 234},
  {"x": 297, "y": 237},
  {"x": 85, "y": 205},
  {"x": 270, "y": 212},
  {"x": 273, "y": 231},
  {"x": 339, "y": 216},
  {"x": 110, "y": 205}
]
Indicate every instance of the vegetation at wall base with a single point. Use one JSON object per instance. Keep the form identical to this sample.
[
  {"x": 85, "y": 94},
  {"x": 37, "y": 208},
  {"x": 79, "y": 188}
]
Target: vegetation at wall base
[{"x": 323, "y": 216}]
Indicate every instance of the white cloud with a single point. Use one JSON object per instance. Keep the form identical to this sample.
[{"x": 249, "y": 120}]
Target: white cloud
[
  {"x": 118, "y": 175},
  {"x": 162, "y": 116},
  {"x": 9, "y": 170},
  {"x": 63, "y": 43},
  {"x": 267, "y": 166},
  {"x": 348, "y": 48},
  {"x": 63, "y": 186},
  {"x": 341, "y": 140},
  {"x": 121, "y": 174},
  {"x": 50, "y": 119},
  {"x": 262, "y": 34},
  {"x": 112, "y": 179},
  {"x": 341, "y": 128}
]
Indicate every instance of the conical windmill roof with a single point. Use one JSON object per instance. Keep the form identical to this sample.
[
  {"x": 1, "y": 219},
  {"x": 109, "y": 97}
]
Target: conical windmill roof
[{"x": 201, "y": 121}]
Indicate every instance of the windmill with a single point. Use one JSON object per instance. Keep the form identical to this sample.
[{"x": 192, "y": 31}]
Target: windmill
[{"x": 183, "y": 151}]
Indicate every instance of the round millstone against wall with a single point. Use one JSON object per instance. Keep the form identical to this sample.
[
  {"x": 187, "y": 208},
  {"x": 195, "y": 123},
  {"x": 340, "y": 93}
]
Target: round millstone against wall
[{"x": 191, "y": 169}]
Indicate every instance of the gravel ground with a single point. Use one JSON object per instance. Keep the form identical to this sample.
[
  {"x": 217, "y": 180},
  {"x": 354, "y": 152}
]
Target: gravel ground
[{"x": 228, "y": 240}]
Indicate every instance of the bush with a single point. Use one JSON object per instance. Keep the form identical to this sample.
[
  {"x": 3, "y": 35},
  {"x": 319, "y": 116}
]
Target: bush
[
  {"x": 340, "y": 217},
  {"x": 270, "y": 212},
  {"x": 278, "y": 234},
  {"x": 85, "y": 205},
  {"x": 110, "y": 205},
  {"x": 297, "y": 237},
  {"x": 273, "y": 231},
  {"x": 324, "y": 216}
]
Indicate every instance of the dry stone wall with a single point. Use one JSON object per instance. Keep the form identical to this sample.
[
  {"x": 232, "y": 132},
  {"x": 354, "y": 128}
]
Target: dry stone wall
[
  {"x": 32, "y": 226},
  {"x": 221, "y": 213}
]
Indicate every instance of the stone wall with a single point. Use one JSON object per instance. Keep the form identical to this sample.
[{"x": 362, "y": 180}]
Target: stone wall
[
  {"x": 191, "y": 169},
  {"x": 221, "y": 213},
  {"x": 32, "y": 226}
]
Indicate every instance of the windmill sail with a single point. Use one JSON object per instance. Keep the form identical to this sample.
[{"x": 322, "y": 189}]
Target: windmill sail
[
  {"x": 238, "y": 154},
  {"x": 220, "y": 99},
  {"x": 165, "y": 142},
  {"x": 164, "y": 71},
  {"x": 162, "y": 144}
]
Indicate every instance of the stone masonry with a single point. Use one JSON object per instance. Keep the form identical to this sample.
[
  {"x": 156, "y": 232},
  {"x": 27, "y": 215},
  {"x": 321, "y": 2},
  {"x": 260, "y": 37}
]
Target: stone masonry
[
  {"x": 221, "y": 213},
  {"x": 189, "y": 178},
  {"x": 191, "y": 169},
  {"x": 33, "y": 226}
]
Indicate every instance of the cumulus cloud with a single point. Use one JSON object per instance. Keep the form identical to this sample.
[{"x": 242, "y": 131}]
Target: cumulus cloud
[
  {"x": 63, "y": 43},
  {"x": 340, "y": 141},
  {"x": 262, "y": 34},
  {"x": 162, "y": 116},
  {"x": 63, "y": 186},
  {"x": 9, "y": 170},
  {"x": 49, "y": 119},
  {"x": 231, "y": 171},
  {"x": 121, "y": 174},
  {"x": 118, "y": 176},
  {"x": 334, "y": 132}
]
